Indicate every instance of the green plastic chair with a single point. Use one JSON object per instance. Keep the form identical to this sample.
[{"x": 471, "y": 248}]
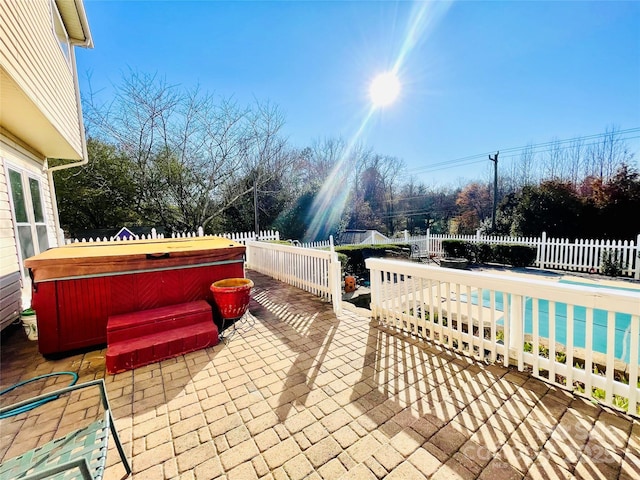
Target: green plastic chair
[{"x": 82, "y": 454}]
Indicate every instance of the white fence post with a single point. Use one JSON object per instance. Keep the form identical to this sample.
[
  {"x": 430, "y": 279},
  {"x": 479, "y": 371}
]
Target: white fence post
[
  {"x": 636, "y": 257},
  {"x": 335, "y": 279},
  {"x": 516, "y": 330},
  {"x": 542, "y": 251}
]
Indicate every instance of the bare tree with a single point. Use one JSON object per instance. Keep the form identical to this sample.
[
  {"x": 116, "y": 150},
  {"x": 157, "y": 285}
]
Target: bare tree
[
  {"x": 265, "y": 155},
  {"x": 526, "y": 167},
  {"x": 553, "y": 163},
  {"x": 606, "y": 156},
  {"x": 575, "y": 161},
  {"x": 190, "y": 149},
  {"x": 324, "y": 155}
]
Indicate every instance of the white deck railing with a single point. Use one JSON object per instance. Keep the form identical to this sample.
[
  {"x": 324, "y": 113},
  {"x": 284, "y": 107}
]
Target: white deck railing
[
  {"x": 316, "y": 271},
  {"x": 582, "y": 338}
]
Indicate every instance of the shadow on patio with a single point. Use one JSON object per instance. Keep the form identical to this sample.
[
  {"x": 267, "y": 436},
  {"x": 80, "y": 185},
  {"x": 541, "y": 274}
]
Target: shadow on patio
[{"x": 299, "y": 393}]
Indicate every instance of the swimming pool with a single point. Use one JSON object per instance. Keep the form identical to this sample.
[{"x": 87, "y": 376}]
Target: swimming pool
[{"x": 599, "y": 344}]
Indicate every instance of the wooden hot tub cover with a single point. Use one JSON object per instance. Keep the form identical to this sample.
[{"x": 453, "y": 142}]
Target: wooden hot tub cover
[{"x": 92, "y": 259}]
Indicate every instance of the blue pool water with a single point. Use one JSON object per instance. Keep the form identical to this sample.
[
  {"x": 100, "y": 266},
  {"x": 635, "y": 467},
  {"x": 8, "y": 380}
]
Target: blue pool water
[{"x": 622, "y": 321}]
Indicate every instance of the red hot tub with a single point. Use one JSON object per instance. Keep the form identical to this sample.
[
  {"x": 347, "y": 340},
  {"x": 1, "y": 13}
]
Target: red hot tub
[{"x": 75, "y": 288}]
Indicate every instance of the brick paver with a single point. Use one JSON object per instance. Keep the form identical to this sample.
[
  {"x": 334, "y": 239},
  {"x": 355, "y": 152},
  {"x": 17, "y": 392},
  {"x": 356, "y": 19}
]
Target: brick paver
[{"x": 300, "y": 393}]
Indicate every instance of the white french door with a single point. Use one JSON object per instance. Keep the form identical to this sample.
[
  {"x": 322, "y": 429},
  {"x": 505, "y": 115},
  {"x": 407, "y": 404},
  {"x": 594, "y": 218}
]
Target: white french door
[{"x": 28, "y": 214}]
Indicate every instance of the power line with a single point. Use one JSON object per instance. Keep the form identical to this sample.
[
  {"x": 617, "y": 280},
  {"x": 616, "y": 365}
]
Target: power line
[
  {"x": 583, "y": 145},
  {"x": 534, "y": 148},
  {"x": 430, "y": 213},
  {"x": 472, "y": 159}
]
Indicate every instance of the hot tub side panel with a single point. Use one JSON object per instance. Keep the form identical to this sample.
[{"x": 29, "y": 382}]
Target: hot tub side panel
[
  {"x": 73, "y": 313},
  {"x": 44, "y": 300}
]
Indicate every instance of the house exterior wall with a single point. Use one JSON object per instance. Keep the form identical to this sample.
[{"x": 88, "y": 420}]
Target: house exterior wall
[
  {"x": 39, "y": 102},
  {"x": 16, "y": 157},
  {"x": 8, "y": 249},
  {"x": 40, "y": 118},
  {"x": 12, "y": 278}
]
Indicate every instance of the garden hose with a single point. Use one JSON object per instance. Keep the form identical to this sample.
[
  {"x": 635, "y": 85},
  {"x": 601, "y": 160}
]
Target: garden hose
[{"x": 33, "y": 405}]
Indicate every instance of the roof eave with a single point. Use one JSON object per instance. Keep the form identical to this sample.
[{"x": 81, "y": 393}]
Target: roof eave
[{"x": 73, "y": 15}]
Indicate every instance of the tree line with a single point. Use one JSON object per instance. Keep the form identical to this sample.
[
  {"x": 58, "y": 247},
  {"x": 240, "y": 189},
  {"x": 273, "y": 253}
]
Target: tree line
[{"x": 174, "y": 158}]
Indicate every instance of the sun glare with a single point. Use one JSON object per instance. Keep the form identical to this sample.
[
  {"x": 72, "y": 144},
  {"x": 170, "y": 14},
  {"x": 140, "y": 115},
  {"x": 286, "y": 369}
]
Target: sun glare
[
  {"x": 331, "y": 201},
  {"x": 384, "y": 89}
]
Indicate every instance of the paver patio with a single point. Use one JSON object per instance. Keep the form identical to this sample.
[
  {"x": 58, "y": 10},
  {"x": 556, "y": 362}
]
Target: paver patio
[{"x": 300, "y": 393}]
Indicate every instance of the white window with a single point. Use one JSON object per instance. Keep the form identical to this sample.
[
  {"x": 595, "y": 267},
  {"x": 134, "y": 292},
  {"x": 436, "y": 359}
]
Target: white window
[
  {"x": 60, "y": 31},
  {"x": 28, "y": 213}
]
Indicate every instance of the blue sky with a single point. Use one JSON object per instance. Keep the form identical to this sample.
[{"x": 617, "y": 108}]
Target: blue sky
[{"x": 477, "y": 76}]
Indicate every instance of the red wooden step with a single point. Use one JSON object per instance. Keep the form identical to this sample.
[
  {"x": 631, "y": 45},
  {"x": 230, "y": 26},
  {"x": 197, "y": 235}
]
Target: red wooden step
[
  {"x": 136, "y": 352},
  {"x": 146, "y": 322}
]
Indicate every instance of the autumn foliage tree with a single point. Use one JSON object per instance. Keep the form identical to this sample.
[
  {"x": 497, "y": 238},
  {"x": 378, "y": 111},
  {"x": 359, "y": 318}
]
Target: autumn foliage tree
[
  {"x": 474, "y": 204},
  {"x": 596, "y": 209},
  {"x": 616, "y": 202}
]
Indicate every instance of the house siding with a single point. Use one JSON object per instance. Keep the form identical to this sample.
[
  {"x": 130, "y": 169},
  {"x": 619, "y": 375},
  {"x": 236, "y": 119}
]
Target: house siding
[{"x": 32, "y": 57}]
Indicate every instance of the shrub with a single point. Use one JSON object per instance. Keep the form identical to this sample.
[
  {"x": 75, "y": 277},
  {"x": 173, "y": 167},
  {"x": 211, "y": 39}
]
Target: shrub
[
  {"x": 344, "y": 261},
  {"x": 483, "y": 253},
  {"x": 456, "y": 249},
  {"x": 611, "y": 264},
  {"x": 522, "y": 255},
  {"x": 356, "y": 255},
  {"x": 501, "y": 253},
  {"x": 508, "y": 254},
  {"x": 477, "y": 252}
]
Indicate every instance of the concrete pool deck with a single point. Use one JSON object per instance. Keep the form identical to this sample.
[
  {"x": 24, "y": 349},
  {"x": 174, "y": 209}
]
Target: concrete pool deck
[{"x": 554, "y": 275}]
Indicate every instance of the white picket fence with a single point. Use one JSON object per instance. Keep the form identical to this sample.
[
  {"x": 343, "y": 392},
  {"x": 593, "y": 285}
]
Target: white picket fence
[
  {"x": 581, "y": 255},
  {"x": 489, "y": 317},
  {"x": 244, "y": 237},
  {"x": 319, "y": 244},
  {"x": 313, "y": 270},
  {"x": 240, "y": 237}
]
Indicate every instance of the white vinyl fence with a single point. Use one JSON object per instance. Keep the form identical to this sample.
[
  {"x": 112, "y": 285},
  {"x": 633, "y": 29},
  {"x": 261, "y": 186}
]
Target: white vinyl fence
[
  {"x": 581, "y": 255},
  {"x": 240, "y": 237},
  {"x": 320, "y": 244},
  {"x": 316, "y": 271},
  {"x": 244, "y": 237},
  {"x": 579, "y": 337}
]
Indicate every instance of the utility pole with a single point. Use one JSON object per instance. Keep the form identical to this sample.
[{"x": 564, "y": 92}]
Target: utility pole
[{"x": 494, "y": 159}]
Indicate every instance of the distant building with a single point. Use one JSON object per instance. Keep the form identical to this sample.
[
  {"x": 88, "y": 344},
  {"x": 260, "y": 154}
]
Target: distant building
[
  {"x": 355, "y": 237},
  {"x": 119, "y": 232},
  {"x": 41, "y": 118}
]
